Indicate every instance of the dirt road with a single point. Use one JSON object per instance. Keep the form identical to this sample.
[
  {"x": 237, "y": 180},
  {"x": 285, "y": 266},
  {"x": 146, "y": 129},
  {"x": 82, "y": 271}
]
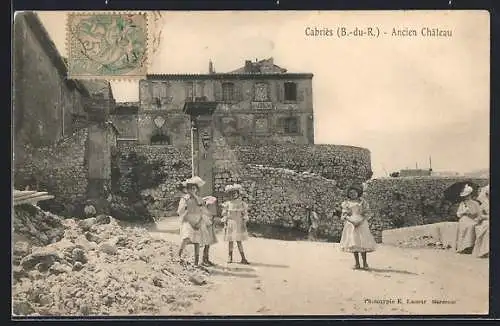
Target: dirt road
[{"x": 314, "y": 278}]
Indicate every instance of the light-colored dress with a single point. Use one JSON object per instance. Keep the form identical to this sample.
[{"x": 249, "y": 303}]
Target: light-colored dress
[
  {"x": 190, "y": 211},
  {"x": 207, "y": 229},
  {"x": 235, "y": 215},
  {"x": 356, "y": 238},
  {"x": 468, "y": 211},
  {"x": 482, "y": 243}
]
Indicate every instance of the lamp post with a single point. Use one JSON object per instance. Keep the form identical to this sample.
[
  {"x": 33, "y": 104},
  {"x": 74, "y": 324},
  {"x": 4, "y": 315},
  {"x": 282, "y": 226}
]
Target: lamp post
[
  {"x": 193, "y": 121},
  {"x": 192, "y": 146}
]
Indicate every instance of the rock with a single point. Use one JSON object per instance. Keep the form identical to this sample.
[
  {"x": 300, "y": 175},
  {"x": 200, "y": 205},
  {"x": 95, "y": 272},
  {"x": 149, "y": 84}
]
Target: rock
[
  {"x": 78, "y": 255},
  {"x": 21, "y": 249},
  {"x": 77, "y": 266},
  {"x": 33, "y": 259},
  {"x": 22, "y": 308},
  {"x": 18, "y": 272},
  {"x": 87, "y": 223},
  {"x": 196, "y": 280},
  {"x": 102, "y": 219},
  {"x": 92, "y": 237},
  {"x": 108, "y": 248},
  {"x": 58, "y": 268}
]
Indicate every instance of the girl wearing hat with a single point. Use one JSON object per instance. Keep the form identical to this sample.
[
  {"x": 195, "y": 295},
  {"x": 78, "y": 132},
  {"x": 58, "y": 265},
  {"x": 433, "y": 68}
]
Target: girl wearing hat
[
  {"x": 469, "y": 215},
  {"x": 190, "y": 211},
  {"x": 356, "y": 235},
  {"x": 235, "y": 216}
]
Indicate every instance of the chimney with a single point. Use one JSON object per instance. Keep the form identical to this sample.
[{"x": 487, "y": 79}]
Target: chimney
[
  {"x": 211, "y": 67},
  {"x": 248, "y": 66}
]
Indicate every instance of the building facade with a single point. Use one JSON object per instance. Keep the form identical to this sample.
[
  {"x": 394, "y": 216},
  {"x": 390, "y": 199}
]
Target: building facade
[
  {"x": 260, "y": 103},
  {"x": 45, "y": 102}
]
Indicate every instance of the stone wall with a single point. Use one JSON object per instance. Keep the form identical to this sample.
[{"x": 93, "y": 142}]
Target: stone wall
[
  {"x": 231, "y": 164},
  {"x": 60, "y": 169},
  {"x": 409, "y": 201},
  {"x": 344, "y": 164},
  {"x": 44, "y": 101},
  {"x": 175, "y": 165},
  {"x": 280, "y": 197}
]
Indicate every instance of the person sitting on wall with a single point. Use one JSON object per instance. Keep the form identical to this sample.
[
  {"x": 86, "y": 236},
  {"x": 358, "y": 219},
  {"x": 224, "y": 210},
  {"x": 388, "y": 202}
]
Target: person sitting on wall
[
  {"x": 482, "y": 228},
  {"x": 469, "y": 216},
  {"x": 190, "y": 211}
]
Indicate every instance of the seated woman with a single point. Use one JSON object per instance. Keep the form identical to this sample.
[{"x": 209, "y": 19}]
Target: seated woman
[
  {"x": 469, "y": 215},
  {"x": 482, "y": 229}
]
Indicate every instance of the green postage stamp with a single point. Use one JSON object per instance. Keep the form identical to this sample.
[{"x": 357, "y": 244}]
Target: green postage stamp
[{"x": 107, "y": 45}]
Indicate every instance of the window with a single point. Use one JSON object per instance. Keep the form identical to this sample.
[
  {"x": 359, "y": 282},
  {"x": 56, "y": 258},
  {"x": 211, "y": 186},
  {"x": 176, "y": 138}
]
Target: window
[
  {"x": 195, "y": 92},
  {"x": 160, "y": 138},
  {"x": 291, "y": 125},
  {"x": 159, "y": 93},
  {"x": 189, "y": 92},
  {"x": 290, "y": 92},
  {"x": 261, "y": 92},
  {"x": 227, "y": 92}
]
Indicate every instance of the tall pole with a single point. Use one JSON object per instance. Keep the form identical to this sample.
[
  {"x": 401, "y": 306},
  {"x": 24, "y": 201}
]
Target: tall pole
[
  {"x": 193, "y": 119},
  {"x": 192, "y": 147}
]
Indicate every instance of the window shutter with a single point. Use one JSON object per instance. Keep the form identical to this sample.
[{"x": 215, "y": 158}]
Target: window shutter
[
  {"x": 300, "y": 94},
  {"x": 238, "y": 92},
  {"x": 189, "y": 91},
  {"x": 218, "y": 91},
  {"x": 279, "y": 92}
]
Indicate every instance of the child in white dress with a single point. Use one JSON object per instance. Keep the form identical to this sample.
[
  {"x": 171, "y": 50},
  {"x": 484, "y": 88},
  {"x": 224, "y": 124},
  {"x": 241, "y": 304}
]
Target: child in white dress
[
  {"x": 235, "y": 216},
  {"x": 190, "y": 210},
  {"x": 356, "y": 235}
]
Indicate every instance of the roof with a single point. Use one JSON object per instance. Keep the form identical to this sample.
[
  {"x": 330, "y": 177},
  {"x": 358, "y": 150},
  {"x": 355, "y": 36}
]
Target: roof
[
  {"x": 228, "y": 76},
  {"x": 265, "y": 66}
]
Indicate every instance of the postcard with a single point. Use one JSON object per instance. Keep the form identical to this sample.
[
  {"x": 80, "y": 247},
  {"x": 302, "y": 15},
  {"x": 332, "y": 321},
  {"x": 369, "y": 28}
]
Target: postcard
[{"x": 234, "y": 163}]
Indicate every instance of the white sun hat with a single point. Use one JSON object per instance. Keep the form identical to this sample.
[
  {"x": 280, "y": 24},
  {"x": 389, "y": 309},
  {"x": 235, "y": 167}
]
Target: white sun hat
[{"x": 466, "y": 191}]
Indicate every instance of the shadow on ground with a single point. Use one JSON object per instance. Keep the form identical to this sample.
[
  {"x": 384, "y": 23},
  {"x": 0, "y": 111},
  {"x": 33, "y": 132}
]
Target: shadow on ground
[{"x": 388, "y": 270}]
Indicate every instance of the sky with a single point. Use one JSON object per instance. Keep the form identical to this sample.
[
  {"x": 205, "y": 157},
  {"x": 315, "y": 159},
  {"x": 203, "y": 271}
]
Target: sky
[{"x": 403, "y": 98}]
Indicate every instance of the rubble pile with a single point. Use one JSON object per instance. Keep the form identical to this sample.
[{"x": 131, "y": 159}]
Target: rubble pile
[{"x": 95, "y": 267}]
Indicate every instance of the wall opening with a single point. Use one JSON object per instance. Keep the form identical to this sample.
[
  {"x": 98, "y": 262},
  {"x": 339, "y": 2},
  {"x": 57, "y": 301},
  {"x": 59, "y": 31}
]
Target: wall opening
[{"x": 290, "y": 91}]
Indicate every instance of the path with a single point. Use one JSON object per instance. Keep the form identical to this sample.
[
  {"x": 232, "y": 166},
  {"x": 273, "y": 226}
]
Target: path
[{"x": 307, "y": 278}]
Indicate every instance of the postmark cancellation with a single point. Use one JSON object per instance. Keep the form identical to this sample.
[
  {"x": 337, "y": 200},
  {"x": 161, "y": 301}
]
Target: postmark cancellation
[{"x": 107, "y": 45}]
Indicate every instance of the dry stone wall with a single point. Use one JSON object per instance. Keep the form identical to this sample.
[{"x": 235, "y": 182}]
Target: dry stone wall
[
  {"x": 280, "y": 197},
  {"x": 344, "y": 164},
  {"x": 60, "y": 169},
  {"x": 410, "y": 201},
  {"x": 174, "y": 165}
]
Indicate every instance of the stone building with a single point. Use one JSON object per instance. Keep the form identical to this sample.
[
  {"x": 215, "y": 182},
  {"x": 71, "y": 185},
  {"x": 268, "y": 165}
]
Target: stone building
[
  {"x": 63, "y": 138},
  {"x": 259, "y": 103},
  {"x": 46, "y": 104}
]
